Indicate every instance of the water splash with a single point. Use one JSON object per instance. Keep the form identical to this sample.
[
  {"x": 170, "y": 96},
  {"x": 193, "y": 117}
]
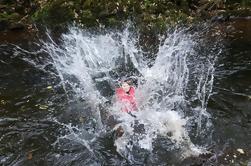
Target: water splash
[
  {"x": 172, "y": 92},
  {"x": 162, "y": 98}
]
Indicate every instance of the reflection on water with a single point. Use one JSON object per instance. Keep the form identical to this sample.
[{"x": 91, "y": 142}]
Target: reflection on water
[{"x": 51, "y": 100}]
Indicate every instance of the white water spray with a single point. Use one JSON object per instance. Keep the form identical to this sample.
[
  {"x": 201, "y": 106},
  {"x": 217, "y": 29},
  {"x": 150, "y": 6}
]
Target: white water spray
[{"x": 82, "y": 60}]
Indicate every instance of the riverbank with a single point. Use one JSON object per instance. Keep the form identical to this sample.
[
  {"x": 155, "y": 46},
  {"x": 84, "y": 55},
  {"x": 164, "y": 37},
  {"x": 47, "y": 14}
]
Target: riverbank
[{"x": 151, "y": 15}]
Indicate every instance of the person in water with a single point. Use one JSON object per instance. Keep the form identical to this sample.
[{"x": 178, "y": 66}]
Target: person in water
[{"x": 125, "y": 95}]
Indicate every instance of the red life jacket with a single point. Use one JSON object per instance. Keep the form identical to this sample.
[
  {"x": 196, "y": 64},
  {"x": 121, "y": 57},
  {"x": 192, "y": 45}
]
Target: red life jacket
[{"x": 127, "y": 99}]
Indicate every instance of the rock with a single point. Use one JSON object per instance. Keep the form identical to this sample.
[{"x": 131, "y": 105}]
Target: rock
[
  {"x": 16, "y": 26},
  {"x": 119, "y": 132}
]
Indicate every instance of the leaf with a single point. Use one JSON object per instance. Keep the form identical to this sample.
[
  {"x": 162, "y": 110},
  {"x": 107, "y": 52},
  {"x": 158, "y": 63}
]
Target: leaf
[
  {"x": 241, "y": 151},
  {"x": 29, "y": 155},
  {"x": 3, "y": 102},
  {"x": 49, "y": 87},
  {"x": 43, "y": 107}
]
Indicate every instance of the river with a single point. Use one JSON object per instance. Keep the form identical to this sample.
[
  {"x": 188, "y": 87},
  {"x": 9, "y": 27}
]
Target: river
[{"x": 193, "y": 93}]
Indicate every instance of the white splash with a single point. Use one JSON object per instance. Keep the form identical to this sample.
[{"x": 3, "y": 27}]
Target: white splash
[{"x": 162, "y": 93}]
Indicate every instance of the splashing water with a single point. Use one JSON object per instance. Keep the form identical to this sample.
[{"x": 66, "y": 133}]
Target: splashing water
[
  {"x": 172, "y": 92},
  {"x": 162, "y": 97}
]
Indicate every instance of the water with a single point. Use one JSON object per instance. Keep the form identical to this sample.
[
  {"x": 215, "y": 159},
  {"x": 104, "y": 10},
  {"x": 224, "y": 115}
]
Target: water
[
  {"x": 82, "y": 60},
  {"x": 72, "y": 91}
]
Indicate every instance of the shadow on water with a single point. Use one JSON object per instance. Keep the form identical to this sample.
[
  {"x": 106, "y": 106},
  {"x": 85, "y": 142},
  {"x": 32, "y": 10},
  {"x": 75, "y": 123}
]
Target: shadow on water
[{"x": 31, "y": 98}]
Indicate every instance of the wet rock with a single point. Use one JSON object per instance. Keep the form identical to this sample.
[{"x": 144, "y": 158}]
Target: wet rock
[
  {"x": 16, "y": 26},
  {"x": 119, "y": 132}
]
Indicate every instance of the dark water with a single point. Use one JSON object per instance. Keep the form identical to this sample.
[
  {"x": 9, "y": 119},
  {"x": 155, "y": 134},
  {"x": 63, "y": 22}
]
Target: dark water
[
  {"x": 230, "y": 103},
  {"x": 30, "y": 98}
]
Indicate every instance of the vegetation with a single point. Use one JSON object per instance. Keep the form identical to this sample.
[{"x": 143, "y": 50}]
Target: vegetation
[{"x": 151, "y": 13}]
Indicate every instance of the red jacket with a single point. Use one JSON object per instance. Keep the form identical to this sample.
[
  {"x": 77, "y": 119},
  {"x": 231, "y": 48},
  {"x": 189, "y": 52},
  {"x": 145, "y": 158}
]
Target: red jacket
[{"x": 127, "y": 99}]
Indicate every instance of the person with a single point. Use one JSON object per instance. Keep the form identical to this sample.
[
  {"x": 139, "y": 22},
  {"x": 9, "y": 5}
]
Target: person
[{"x": 125, "y": 95}]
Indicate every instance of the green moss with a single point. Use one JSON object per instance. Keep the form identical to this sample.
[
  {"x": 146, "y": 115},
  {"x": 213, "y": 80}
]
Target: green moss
[
  {"x": 153, "y": 13},
  {"x": 9, "y": 17},
  {"x": 56, "y": 12},
  {"x": 87, "y": 14},
  {"x": 150, "y": 13},
  {"x": 93, "y": 12},
  {"x": 113, "y": 21}
]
